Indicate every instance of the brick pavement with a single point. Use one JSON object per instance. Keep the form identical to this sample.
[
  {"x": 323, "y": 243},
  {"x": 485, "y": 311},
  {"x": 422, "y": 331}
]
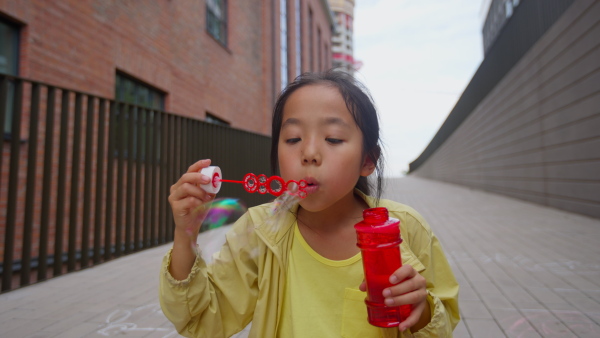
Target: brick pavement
[{"x": 525, "y": 271}]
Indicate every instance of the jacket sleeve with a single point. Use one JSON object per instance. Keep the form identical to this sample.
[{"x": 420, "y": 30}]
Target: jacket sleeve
[
  {"x": 442, "y": 287},
  {"x": 215, "y": 300}
]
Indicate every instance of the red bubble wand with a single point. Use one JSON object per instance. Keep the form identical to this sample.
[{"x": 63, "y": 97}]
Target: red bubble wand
[{"x": 273, "y": 185}]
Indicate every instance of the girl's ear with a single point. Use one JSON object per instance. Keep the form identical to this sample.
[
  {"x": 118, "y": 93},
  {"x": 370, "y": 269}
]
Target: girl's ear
[
  {"x": 369, "y": 163},
  {"x": 368, "y": 167}
]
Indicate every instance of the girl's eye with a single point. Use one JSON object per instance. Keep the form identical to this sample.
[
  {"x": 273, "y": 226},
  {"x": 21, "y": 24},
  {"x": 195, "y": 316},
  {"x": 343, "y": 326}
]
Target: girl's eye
[
  {"x": 334, "y": 140},
  {"x": 292, "y": 140}
]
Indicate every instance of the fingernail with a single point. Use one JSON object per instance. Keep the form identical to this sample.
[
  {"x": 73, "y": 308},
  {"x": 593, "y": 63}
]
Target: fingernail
[
  {"x": 389, "y": 302},
  {"x": 393, "y": 279},
  {"x": 387, "y": 293},
  {"x": 205, "y": 179}
]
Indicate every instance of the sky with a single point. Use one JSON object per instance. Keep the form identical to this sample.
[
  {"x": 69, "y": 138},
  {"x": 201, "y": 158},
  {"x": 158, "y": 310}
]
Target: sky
[{"x": 417, "y": 58}]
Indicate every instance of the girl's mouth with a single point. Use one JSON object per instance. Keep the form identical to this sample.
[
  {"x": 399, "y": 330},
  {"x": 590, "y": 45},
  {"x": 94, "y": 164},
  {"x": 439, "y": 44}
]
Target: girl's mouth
[
  {"x": 311, "y": 185},
  {"x": 311, "y": 188}
]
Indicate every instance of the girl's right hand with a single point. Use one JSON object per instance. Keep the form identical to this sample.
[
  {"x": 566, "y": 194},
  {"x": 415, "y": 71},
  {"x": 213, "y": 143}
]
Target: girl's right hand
[{"x": 189, "y": 201}]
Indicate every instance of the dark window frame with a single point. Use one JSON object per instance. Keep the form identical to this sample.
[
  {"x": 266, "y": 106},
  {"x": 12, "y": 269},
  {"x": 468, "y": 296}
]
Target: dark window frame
[
  {"x": 212, "y": 118},
  {"x": 216, "y": 25},
  {"x": 11, "y": 69}
]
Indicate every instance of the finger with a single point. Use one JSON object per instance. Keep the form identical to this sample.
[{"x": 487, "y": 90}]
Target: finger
[
  {"x": 196, "y": 167},
  {"x": 413, "y": 318},
  {"x": 203, "y": 205},
  {"x": 194, "y": 178},
  {"x": 186, "y": 189},
  {"x": 404, "y": 272},
  {"x": 186, "y": 206},
  {"x": 412, "y": 284},
  {"x": 189, "y": 190},
  {"x": 412, "y": 297},
  {"x": 363, "y": 286}
]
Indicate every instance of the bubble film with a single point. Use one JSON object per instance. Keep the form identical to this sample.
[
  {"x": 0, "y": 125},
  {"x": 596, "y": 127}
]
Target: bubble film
[
  {"x": 280, "y": 207},
  {"x": 223, "y": 211}
]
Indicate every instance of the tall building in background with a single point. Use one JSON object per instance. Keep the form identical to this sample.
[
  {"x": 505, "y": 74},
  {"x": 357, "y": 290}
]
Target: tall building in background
[{"x": 343, "y": 38}]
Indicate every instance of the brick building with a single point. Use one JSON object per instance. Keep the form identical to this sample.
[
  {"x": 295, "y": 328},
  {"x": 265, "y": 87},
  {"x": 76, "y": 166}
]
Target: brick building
[{"x": 216, "y": 61}]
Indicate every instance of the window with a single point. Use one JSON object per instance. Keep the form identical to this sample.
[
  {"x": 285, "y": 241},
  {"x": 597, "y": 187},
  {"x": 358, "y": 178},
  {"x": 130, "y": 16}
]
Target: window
[
  {"x": 283, "y": 38},
  {"x": 509, "y": 7},
  {"x": 216, "y": 19},
  {"x": 138, "y": 94},
  {"x": 210, "y": 118},
  {"x": 9, "y": 64},
  {"x": 298, "y": 39},
  {"x": 130, "y": 90}
]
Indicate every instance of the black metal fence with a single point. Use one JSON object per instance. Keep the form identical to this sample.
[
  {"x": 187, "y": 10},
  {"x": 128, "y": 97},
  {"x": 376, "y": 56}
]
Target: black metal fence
[{"x": 85, "y": 179}]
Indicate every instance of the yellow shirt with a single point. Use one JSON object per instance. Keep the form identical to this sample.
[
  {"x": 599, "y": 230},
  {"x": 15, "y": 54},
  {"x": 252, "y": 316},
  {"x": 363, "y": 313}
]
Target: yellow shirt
[{"x": 321, "y": 297}]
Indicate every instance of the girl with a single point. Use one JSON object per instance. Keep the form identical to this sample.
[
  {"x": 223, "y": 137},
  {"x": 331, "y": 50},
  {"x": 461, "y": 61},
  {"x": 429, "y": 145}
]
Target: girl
[{"x": 304, "y": 277}]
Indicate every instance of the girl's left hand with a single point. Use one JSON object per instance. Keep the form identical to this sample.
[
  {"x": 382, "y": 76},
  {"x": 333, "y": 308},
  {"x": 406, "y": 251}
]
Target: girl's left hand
[{"x": 409, "y": 287}]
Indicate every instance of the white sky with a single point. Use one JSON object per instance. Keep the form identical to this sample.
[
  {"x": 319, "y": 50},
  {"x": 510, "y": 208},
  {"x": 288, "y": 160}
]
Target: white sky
[{"x": 418, "y": 56}]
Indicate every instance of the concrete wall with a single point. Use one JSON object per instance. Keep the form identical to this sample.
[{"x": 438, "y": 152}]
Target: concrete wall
[{"x": 536, "y": 136}]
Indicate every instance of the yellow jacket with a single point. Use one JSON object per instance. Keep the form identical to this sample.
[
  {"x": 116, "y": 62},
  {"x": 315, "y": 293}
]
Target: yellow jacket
[{"x": 245, "y": 282}]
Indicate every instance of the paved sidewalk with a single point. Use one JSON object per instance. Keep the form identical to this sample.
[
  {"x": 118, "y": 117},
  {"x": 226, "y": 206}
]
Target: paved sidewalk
[
  {"x": 117, "y": 298},
  {"x": 524, "y": 270}
]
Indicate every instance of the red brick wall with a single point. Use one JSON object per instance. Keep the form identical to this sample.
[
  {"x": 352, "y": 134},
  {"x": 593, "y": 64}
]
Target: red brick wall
[{"x": 81, "y": 44}]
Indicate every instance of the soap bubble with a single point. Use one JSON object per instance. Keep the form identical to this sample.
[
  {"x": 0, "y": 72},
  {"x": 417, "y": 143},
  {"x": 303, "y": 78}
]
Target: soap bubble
[{"x": 223, "y": 211}]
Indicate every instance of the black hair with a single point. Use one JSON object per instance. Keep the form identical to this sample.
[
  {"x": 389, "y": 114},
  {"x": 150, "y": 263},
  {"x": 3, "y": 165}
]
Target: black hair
[{"x": 359, "y": 104}]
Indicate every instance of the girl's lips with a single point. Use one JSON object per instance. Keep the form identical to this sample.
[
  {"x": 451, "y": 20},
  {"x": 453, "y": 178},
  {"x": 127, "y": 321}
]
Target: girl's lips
[
  {"x": 312, "y": 185},
  {"x": 311, "y": 188}
]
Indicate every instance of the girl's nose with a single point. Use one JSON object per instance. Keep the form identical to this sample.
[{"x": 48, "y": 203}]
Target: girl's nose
[
  {"x": 310, "y": 160},
  {"x": 310, "y": 155}
]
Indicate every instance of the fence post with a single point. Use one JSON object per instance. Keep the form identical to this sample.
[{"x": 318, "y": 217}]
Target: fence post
[
  {"x": 9, "y": 234},
  {"x": 47, "y": 184},
  {"x": 30, "y": 190}
]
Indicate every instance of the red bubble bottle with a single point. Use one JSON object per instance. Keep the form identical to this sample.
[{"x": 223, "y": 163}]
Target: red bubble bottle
[{"x": 379, "y": 240}]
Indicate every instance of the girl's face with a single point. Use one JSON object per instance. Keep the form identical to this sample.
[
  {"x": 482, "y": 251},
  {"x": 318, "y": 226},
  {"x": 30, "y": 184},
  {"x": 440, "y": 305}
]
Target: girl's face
[{"x": 320, "y": 143}]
